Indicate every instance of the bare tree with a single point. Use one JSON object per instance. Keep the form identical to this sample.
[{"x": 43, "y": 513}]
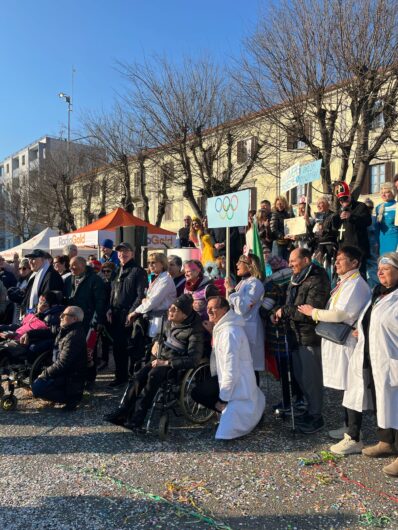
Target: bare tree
[
  {"x": 188, "y": 113},
  {"x": 327, "y": 70}
]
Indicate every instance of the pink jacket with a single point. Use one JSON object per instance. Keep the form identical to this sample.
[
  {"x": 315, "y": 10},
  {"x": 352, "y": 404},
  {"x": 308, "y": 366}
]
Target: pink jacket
[{"x": 29, "y": 322}]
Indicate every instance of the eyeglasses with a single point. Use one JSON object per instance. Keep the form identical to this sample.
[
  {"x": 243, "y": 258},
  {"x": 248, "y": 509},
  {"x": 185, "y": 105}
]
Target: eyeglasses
[
  {"x": 106, "y": 271},
  {"x": 67, "y": 315},
  {"x": 344, "y": 199}
]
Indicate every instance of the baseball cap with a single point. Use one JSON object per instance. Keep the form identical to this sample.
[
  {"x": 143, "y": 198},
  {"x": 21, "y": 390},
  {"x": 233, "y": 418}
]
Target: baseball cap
[
  {"x": 37, "y": 253},
  {"x": 124, "y": 246}
]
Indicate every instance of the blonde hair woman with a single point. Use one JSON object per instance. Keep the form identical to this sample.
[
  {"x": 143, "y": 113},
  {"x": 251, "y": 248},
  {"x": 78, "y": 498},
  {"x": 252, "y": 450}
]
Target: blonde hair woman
[{"x": 245, "y": 300}]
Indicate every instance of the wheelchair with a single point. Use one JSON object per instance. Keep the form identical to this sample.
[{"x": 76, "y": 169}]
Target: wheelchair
[
  {"x": 19, "y": 373},
  {"x": 174, "y": 395}
]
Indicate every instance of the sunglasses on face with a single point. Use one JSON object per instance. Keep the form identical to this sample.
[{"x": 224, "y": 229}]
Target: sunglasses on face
[{"x": 106, "y": 271}]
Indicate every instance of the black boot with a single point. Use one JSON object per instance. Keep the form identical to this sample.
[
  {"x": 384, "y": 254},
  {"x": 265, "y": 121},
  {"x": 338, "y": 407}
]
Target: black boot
[{"x": 126, "y": 406}]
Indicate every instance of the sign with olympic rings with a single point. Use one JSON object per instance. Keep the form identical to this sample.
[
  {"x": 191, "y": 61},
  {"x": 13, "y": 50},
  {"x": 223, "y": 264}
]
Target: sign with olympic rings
[{"x": 228, "y": 210}]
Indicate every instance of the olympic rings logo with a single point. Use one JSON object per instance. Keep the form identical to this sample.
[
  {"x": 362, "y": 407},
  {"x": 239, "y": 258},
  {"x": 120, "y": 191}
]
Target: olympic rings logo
[{"x": 227, "y": 206}]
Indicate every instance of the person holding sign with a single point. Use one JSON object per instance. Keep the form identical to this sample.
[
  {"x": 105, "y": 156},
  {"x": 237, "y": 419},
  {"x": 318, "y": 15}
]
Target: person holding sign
[
  {"x": 245, "y": 299},
  {"x": 386, "y": 231},
  {"x": 280, "y": 212}
]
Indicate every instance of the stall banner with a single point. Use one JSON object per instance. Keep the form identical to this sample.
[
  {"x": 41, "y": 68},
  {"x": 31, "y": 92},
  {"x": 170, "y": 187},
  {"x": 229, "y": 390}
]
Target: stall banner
[
  {"x": 228, "y": 210},
  {"x": 299, "y": 175}
]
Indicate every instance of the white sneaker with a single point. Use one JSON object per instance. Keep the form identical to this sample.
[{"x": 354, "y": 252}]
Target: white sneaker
[
  {"x": 338, "y": 434},
  {"x": 347, "y": 446}
]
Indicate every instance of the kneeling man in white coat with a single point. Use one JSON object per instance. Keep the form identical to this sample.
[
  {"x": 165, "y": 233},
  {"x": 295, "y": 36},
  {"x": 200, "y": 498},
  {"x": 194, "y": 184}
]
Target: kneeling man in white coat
[{"x": 231, "y": 389}]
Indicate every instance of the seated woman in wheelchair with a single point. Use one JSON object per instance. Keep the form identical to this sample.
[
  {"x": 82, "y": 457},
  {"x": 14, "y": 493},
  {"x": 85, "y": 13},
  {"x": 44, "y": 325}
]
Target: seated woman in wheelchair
[
  {"x": 35, "y": 334},
  {"x": 180, "y": 347}
]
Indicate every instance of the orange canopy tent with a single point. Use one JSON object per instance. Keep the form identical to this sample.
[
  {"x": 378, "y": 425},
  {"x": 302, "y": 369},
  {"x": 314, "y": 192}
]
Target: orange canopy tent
[
  {"x": 120, "y": 217},
  {"x": 94, "y": 233}
]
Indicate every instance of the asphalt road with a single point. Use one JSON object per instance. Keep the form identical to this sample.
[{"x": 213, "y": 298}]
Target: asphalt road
[{"x": 71, "y": 471}]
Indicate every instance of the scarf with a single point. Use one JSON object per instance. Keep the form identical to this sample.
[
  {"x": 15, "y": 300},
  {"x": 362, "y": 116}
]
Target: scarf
[
  {"x": 192, "y": 286},
  {"x": 296, "y": 281},
  {"x": 38, "y": 280}
]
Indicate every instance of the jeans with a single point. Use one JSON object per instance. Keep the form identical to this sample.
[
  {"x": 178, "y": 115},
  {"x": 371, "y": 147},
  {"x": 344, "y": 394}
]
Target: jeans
[{"x": 307, "y": 364}]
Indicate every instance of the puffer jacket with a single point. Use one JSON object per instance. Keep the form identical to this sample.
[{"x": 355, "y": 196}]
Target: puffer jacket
[
  {"x": 315, "y": 291},
  {"x": 69, "y": 367},
  {"x": 89, "y": 294},
  {"x": 183, "y": 343},
  {"x": 277, "y": 227}
]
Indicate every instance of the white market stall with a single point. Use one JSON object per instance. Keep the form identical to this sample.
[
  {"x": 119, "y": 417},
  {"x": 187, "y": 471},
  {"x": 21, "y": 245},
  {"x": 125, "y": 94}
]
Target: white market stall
[{"x": 41, "y": 240}]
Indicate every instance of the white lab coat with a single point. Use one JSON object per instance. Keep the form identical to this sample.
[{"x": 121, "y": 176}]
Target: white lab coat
[
  {"x": 352, "y": 297},
  {"x": 234, "y": 365},
  {"x": 383, "y": 350},
  {"x": 246, "y": 301}
]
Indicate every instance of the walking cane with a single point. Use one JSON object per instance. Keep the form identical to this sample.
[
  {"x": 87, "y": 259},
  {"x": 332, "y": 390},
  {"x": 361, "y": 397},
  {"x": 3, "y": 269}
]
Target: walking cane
[
  {"x": 289, "y": 377},
  {"x": 278, "y": 413}
]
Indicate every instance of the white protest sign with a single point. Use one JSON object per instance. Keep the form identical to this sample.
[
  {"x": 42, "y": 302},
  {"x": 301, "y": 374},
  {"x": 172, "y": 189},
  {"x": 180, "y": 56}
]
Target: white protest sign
[
  {"x": 297, "y": 175},
  {"x": 228, "y": 210}
]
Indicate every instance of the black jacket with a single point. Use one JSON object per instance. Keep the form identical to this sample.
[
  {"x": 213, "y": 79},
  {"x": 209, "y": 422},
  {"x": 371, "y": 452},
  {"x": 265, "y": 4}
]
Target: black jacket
[
  {"x": 314, "y": 290},
  {"x": 52, "y": 281},
  {"x": 355, "y": 229},
  {"x": 70, "y": 366},
  {"x": 277, "y": 226},
  {"x": 128, "y": 288},
  {"x": 219, "y": 236},
  {"x": 89, "y": 294},
  {"x": 8, "y": 279},
  {"x": 183, "y": 343}
]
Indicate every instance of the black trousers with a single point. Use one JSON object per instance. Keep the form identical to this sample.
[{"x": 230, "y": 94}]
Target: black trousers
[
  {"x": 207, "y": 392},
  {"x": 143, "y": 387},
  {"x": 120, "y": 335}
]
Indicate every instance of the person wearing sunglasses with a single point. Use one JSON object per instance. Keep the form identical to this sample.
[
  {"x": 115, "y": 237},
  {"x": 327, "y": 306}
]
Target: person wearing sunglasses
[
  {"x": 63, "y": 381},
  {"x": 351, "y": 222}
]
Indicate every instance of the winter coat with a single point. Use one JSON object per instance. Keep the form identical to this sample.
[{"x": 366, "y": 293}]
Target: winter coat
[
  {"x": 183, "y": 343},
  {"x": 69, "y": 367},
  {"x": 246, "y": 302},
  {"x": 386, "y": 231},
  {"x": 8, "y": 279},
  {"x": 160, "y": 295},
  {"x": 314, "y": 290},
  {"x": 351, "y": 297},
  {"x": 89, "y": 294},
  {"x": 205, "y": 289},
  {"x": 383, "y": 351},
  {"x": 128, "y": 289},
  {"x": 219, "y": 236},
  {"x": 355, "y": 227},
  {"x": 234, "y": 366},
  {"x": 52, "y": 281},
  {"x": 277, "y": 227},
  {"x": 113, "y": 258}
]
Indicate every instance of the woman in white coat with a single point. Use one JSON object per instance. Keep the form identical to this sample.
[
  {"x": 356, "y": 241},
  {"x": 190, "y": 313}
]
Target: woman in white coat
[
  {"x": 232, "y": 389},
  {"x": 375, "y": 361},
  {"x": 245, "y": 300},
  {"x": 160, "y": 294},
  {"x": 346, "y": 302}
]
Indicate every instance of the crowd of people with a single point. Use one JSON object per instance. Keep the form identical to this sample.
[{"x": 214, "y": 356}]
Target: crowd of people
[{"x": 316, "y": 309}]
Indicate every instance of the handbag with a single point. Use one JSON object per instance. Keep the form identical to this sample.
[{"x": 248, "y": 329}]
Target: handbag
[{"x": 336, "y": 332}]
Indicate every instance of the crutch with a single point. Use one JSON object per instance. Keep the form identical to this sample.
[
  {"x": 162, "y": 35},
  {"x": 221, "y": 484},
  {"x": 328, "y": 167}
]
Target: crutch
[{"x": 278, "y": 413}]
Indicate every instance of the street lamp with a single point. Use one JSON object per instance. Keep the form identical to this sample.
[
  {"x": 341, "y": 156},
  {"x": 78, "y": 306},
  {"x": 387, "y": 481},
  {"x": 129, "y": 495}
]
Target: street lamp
[{"x": 68, "y": 100}]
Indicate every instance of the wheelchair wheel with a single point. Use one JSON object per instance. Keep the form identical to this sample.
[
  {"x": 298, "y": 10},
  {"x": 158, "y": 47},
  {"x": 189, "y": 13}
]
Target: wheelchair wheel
[
  {"x": 163, "y": 428},
  {"x": 194, "y": 411},
  {"x": 8, "y": 403},
  {"x": 43, "y": 360}
]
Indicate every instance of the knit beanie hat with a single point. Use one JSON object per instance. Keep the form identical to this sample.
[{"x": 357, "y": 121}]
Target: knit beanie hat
[
  {"x": 107, "y": 243},
  {"x": 184, "y": 303}
]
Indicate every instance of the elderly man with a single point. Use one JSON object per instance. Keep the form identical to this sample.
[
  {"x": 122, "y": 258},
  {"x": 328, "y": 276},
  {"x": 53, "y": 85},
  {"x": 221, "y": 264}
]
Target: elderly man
[
  {"x": 182, "y": 240},
  {"x": 232, "y": 389},
  {"x": 128, "y": 290},
  {"x": 182, "y": 348},
  {"x": 43, "y": 279},
  {"x": 176, "y": 272},
  {"x": 63, "y": 381},
  {"x": 88, "y": 293},
  {"x": 70, "y": 251},
  {"x": 309, "y": 285},
  {"x": 108, "y": 254}
]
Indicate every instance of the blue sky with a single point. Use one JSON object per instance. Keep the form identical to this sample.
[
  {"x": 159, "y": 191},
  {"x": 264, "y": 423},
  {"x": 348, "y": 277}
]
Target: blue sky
[{"x": 42, "y": 40}]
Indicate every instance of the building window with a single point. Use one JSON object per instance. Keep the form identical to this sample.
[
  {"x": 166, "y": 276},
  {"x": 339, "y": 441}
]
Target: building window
[
  {"x": 7, "y": 168},
  {"x": 378, "y": 116},
  {"x": 167, "y": 171},
  {"x": 168, "y": 213},
  {"x": 296, "y": 194},
  {"x": 23, "y": 160},
  {"x": 1, "y": 171},
  {"x": 295, "y": 139},
  {"x": 377, "y": 177},
  {"x": 246, "y": 150}
]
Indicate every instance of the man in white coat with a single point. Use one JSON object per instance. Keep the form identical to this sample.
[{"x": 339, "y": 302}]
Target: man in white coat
[{"x": 232, "y": 389}]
